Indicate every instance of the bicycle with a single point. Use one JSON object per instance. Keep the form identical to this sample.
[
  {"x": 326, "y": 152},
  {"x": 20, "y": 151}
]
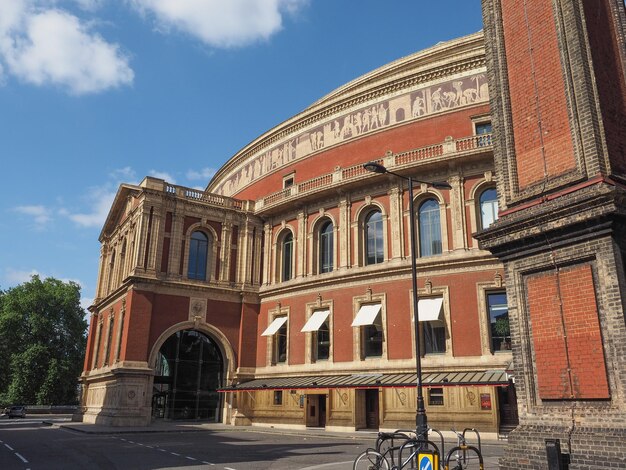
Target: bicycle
[
  {"x": 383, "y": 456},
  {"x": 462, "y": 453}
]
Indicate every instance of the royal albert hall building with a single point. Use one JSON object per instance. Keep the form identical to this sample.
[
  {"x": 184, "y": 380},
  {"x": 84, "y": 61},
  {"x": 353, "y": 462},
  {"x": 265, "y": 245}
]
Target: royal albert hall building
[{"x": 281, "y": 295}]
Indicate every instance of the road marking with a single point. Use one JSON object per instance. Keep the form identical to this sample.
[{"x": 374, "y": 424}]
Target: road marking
[
  {"x": 162, "y": 450},
  {"x": 149, "y": 447},
  {"x": 228, "y": 468},
  {"x": 207, "y": 463},
  {"x": 8, "y": 446},
  {"x": 190, "y": 458},
  {"x": 174, "y": 453},
  {"x": 21, "y": 458},
  {"x": 332, "y": 464}
]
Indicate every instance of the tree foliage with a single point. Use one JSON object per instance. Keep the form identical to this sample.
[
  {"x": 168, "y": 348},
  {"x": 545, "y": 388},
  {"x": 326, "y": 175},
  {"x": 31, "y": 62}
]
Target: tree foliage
[{"x": 43, "y": 331}]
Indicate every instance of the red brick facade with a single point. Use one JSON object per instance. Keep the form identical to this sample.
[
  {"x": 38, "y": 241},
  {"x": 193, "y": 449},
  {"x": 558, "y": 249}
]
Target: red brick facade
[{"x": 418, "y": 116}]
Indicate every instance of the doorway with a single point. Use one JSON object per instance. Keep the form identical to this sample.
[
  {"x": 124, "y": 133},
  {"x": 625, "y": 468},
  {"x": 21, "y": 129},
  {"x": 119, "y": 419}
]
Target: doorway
[
  {"x": 188, "y": 372},
  {"x": 316, "y": 411},
  {"x": 507, "y": 403},
  {"x": 371, "y": 409}
]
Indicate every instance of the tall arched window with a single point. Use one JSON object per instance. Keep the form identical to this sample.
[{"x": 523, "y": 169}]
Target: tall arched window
[
  {"x": 198, "y": 252},
  {"x": 374, "y": 246},
  {"x": 488, "y": 207},
  {"x": 429, "y": 228},
  {"x": 287, "y": 257},
  {"x": 326, "y": 247}
]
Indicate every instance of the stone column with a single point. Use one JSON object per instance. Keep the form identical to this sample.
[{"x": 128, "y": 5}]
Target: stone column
[
  {"x": 246, "y": 248},
  {"x": 176, "y": 245},
  {"x": 344, "y": 233},
  {"x": 96, "y": 351},
  {"x": 396, "y": 221},
  {"x": 269, "y": 262},
  {"x": 258, "y": 254},
  {"x": 301, "y": 248},
  {"x": 227, "y": 230},
  {"x": 457, "y": 211}
]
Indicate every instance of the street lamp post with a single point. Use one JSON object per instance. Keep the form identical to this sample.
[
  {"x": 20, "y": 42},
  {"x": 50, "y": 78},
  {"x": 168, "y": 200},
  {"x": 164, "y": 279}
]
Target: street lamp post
[{"x": 421, "y": 422}]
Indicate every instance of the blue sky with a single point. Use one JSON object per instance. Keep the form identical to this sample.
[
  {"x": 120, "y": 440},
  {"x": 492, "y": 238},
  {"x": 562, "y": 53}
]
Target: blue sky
[{"x": 94, "y": 93}]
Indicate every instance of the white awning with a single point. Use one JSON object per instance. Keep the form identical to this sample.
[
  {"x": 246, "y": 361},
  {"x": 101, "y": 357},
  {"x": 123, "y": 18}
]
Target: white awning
[
  {"x": 274, "y": 326},
  {"x": 316, "y": 320},
  {"x": 367, "y": 315},
  {"x": 430, "y": 309}
]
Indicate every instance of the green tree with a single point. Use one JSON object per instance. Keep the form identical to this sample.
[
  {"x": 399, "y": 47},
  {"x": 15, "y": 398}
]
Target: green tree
[{"x": 43, "y": 331}]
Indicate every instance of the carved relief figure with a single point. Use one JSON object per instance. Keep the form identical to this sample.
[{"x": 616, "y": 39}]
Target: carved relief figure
[{"x": 437, "y": 98}]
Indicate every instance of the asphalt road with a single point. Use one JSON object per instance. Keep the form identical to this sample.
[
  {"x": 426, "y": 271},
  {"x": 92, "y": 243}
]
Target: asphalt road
[{"x": 30, "y": 444}]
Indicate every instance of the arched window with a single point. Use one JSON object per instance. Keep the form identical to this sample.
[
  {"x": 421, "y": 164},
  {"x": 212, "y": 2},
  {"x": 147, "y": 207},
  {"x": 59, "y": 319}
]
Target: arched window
[
  {"x": 198, "y": 252},
  {"x": 374, "y": 249},
  {"x": 326, "y": 247},
  {"x": 488, "y": 207},
  {"x": 287, "y": 257},
  {"x": 429, "y": 228}
]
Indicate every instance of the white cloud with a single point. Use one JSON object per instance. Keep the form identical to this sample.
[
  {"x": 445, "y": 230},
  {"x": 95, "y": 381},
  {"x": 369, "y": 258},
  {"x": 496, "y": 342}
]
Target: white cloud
[
  {"x": 43, "y": 45},
  {"x": 100, "y": 201},
  {"x": 89, "y": 5},
  {"x": 16, "y": 276},
  {"x": 40, "y": 214},
  {"x": 203, "y": 174},
  {"x": 220, "y": 23},
  {"x": 162, "y": 175},
  {"x": 126, "y": 174}
]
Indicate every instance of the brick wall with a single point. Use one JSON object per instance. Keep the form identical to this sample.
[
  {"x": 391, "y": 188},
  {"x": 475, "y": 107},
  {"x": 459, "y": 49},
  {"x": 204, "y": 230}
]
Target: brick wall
[
  {"x": 608, "y": 67},
  {"x": 525, "y": 21},
  {"x": 567, "y": 341}
]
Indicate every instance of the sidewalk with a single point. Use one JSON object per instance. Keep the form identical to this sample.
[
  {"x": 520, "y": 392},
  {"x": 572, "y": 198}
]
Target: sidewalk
[{"x": 194, "y": 426}]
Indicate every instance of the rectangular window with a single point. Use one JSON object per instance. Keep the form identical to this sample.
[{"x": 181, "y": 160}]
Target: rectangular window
[
  {"x": 435, "y": 396},
  {"x": 499, "y": 321},
  {"x": 278, "y": 397},
  {"x": 483, "y": 131},
  {"x": 373, "y": 339},
  {"x": 369, "y": 319},
  {"x": 322, "y": 342},
  {"x": 434, "y": 337},
  {"x": 280, "y": 345}
]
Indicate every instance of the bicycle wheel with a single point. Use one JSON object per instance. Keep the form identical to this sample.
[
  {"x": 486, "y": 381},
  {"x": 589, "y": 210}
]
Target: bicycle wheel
[{"x": 370, "y": 460}]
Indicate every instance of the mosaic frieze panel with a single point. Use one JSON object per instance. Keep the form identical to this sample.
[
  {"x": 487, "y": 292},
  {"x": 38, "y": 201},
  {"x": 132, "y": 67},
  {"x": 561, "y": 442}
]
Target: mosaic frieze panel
[{"x": 418, "y": 104}]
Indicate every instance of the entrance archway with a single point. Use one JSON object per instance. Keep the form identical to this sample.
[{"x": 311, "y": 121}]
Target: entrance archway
[{"x": 188, "y": 371}]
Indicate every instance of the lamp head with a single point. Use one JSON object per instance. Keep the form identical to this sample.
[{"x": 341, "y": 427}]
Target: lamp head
[
  {"x": 440, "y": 185},
  {"x": 374, "y": 167}
]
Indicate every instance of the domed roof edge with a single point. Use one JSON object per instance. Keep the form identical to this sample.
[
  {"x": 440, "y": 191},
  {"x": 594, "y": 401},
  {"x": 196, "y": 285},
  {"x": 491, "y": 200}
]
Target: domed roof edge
[{"x": 429, "y": 58}]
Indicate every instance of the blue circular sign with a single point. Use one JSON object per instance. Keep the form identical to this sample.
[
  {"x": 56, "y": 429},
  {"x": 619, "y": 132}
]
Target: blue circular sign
[{"x": 426, "y": 462}]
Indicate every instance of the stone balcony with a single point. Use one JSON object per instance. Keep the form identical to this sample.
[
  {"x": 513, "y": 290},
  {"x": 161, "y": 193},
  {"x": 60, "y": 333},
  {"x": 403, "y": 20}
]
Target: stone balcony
[{"x": 450, "y": 149}]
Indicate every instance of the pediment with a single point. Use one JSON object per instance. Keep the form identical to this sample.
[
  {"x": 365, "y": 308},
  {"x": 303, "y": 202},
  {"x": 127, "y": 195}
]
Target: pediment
[{"x": 120, "y": 208}]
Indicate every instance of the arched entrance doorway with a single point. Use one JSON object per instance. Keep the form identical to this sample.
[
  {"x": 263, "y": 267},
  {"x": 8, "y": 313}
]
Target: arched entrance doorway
[{"x": 189, "y": 370}]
